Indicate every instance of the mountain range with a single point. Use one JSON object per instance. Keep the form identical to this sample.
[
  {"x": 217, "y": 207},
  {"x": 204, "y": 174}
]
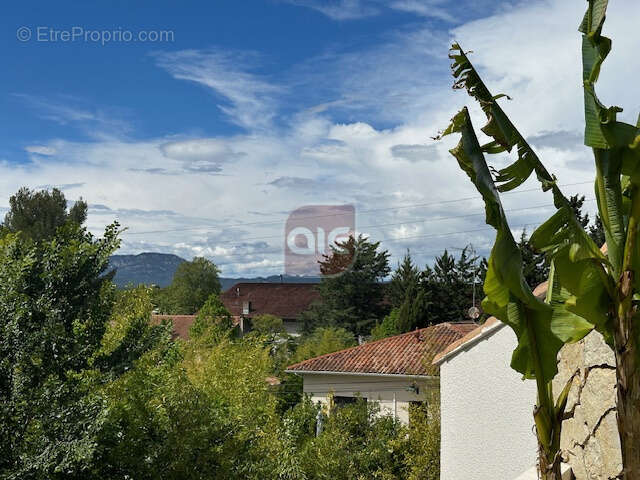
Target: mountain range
[{"x": 158, "y": 268}]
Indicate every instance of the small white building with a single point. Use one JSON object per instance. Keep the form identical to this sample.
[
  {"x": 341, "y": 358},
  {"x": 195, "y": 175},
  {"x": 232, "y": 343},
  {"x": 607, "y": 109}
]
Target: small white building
[
  {"x": 395, "y": 371},
  {"x": 486, "y": 408}
]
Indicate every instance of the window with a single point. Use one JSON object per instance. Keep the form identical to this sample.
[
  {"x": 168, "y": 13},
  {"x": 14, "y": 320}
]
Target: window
[{"x": 342, "y": 401}]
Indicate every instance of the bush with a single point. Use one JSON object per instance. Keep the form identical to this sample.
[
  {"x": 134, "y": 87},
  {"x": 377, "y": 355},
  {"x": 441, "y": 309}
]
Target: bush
[
  {"x": 423, "y": 458},
  {"x": 357, "y": 443}
]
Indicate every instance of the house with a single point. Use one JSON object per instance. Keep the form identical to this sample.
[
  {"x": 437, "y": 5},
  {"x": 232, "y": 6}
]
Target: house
[
  {"x": 247, "y": 300},
  {"x": 395, "y": 371},
  {"x": 486, "y": 409},
  {"x": 285, "y": 300},
  {"x": 487, "y": 428}
]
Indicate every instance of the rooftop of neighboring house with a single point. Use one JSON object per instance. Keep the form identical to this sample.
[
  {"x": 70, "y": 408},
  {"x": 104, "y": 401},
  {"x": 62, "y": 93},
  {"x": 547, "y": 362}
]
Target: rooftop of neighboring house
[
  {"x": 284, "y": 300},
  {"x": 406, "y": 354}
]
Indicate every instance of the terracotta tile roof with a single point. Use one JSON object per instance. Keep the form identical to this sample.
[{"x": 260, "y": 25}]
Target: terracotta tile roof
[
  {"x": 406, "y": 354},
  {"x": 181, "y": 323},
  {"x": 285, "y": 300}
]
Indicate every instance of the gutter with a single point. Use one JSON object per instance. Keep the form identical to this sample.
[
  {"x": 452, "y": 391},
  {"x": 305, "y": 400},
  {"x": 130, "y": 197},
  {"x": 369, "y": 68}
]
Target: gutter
[{"x": 378, "y": 375}]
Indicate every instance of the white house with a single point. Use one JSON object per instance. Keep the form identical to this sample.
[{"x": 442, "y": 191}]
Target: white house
[
  {"x": 486, "y": 408},
  {"x": 395, "y": 371}
]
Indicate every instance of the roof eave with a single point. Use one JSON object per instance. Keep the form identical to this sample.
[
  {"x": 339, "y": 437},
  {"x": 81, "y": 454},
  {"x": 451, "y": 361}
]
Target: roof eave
[
  {"x": 487, "y": 331},
  {"x": 363, "y": 374}
]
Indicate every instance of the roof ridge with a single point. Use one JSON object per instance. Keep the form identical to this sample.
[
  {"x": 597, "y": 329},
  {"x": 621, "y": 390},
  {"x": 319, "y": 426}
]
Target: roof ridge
[{"x": 412, "y": 332}]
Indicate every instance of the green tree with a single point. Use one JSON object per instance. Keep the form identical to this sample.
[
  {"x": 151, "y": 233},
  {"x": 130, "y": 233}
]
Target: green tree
[
  {"x": 357, "y": 442},
  {"x": 351, "y": 290},
  {"x": 405, "y": 277},
  {"x": 388, "y": 327},
  {"x": 587, "y": 289},
  {"x": 423, "y": 452},
  {"x": 414, "y": 311},
  {"x": 267, "y": 324},
  {"x": 60, "y": 341},
  {"x": 38, "y": 214},
  {"x": 213, "y": 321},
  {"x": 450, "y": 285},
  {"x": 191, "y": 412},
  {"x": 535, "y": 265},
  {"x": 193, "y": 283}
]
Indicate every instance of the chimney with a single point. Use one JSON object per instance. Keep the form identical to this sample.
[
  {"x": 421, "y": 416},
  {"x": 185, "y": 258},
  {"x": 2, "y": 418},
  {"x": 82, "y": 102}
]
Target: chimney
[{"x": 237, "y": 291}]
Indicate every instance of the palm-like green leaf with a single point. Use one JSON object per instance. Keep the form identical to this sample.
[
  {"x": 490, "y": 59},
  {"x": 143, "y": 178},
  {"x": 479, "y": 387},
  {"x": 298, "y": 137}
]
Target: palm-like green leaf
[
  {"x": 508, "y": 296},
  {"x": 562, "y": 235}
]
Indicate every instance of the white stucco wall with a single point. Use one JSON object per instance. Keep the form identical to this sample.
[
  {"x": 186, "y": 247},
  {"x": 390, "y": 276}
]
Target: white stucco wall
[
  {"x": 486, "y": 409},
  {"x": 382, "y": 390}
]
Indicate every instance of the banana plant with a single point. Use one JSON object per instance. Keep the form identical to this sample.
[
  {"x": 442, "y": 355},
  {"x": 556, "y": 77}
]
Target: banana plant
[
  {"x": 588, "y": 289},
  {"x": 509, "y": 298}
]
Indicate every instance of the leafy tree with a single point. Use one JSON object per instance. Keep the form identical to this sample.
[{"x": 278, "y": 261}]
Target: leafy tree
[
  {"x": 267, "y": 324},
  {"x": 191, "y": 412},
  {"x": 587, "y": 289},
  {"x": 388, "y": 327},
  {"x": 193, "y": 283},
  {"x": 59, "y": 341},
  {"x": 535, "y": 263},
  {"x": 38, "y": 214},
  {"x": 423, "y": 452},
  {"x": 357, "y": 442},
  {"x": 213, "y": 321},
  {"x": 351, "y": 290},
  {"x": 596, "y": 229}
]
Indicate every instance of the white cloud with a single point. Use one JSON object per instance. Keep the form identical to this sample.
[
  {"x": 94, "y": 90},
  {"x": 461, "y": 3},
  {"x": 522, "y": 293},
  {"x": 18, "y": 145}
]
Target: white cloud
[
  {"x": 249, "y": 99},
  {"x": 40, "y": 149},
  {"x": 340, "y": 9}
]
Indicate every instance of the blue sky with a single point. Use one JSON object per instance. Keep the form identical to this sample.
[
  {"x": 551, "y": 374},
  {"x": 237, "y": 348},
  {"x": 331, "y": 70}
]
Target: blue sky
[{"x": 252, "y": 109}]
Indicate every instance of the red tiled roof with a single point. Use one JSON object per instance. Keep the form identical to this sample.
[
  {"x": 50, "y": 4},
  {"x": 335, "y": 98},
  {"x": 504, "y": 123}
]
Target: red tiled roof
[
  {"x": 181, "y": 323},
  {"x": 406, "y": 354},
  {"x": 284, "y": 300}
]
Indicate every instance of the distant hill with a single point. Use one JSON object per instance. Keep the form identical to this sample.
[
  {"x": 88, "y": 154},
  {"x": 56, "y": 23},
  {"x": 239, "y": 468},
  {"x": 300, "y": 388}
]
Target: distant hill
[
  {"x": 145, "y": 268},
  {"x": 158, "y": 269}
]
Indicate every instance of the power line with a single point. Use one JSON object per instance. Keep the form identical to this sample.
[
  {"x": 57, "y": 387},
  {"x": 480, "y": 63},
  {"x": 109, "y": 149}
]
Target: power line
[
  {"x": 416, "y": 205},
  {"x": 422, "y": 220}
]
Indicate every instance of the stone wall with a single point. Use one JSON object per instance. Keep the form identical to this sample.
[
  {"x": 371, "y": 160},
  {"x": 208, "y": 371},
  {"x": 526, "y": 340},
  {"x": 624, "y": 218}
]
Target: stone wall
[{"x": 590, "y": 442}]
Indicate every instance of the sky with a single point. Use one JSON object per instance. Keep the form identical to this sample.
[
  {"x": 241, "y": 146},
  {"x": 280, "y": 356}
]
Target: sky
[{"x": 200, "y": 126}]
